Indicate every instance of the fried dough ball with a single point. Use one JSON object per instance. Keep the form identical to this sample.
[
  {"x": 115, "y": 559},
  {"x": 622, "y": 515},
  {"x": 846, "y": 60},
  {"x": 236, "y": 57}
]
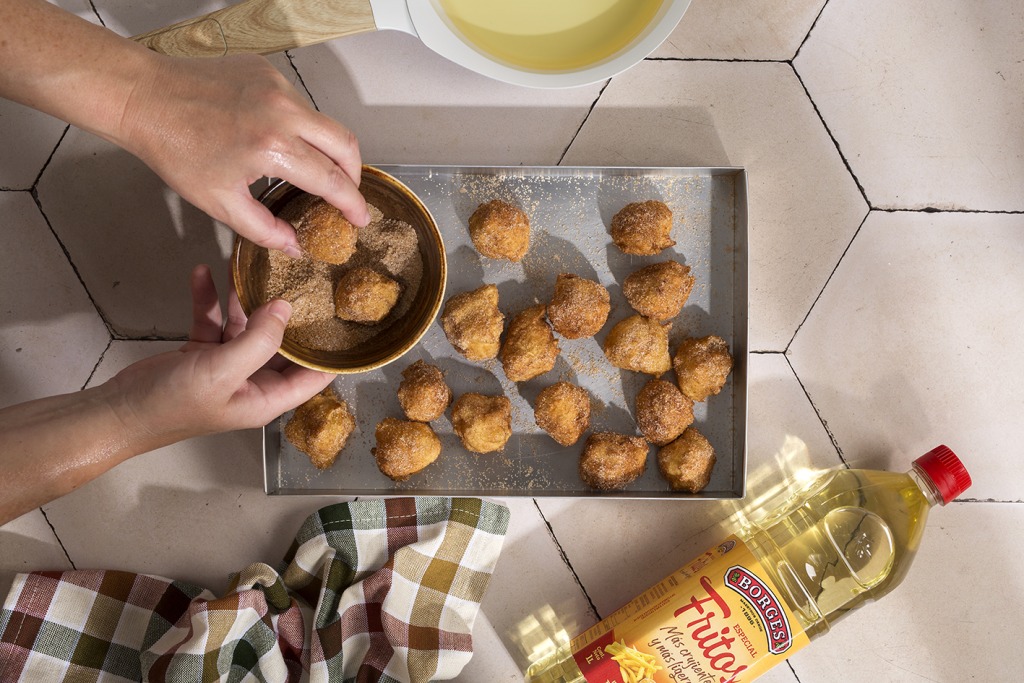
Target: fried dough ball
[
  {"x": 404, "y": 448},
  {"x": 639, "y": 344},
  {"x": 579, "y": 307},
  {"x": 365, "y": 296},
  {"x": 473, "y": 323},
  {"x": 610, "y": 460},
  {"x": 702, "y": 366},
  {"x": 320, "y": 427},
  {"x": 662, "y": 412},
  {"x": 643, "y": 228},
  {"x": 500, "y": 230},
  {"x": 321, "y": 230},
  {"x": 659, "y": 290},
  {"x": 530, "y": 348},
  {"x": 563, "y": 411},
  {"x": 484, "y": 423},
  {"x": 687, "y": 462},
  {"x": 423, "y": 393}
]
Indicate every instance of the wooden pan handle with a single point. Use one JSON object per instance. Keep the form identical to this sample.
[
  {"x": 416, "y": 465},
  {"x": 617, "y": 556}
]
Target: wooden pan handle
[{"x": 261, "y": 26}]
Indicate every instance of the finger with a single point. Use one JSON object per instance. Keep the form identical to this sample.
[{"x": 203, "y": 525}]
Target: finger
[
  {"x": 284, "y": 390},
  {"x": 206, "y": 315},
  {"x": 253, "y": 220},
  {"x": 338, "y": 143},
  {"x": 309, "y": 169},
  {"x": 236, "y": 317},
  {"x": 256, "y": 344}
]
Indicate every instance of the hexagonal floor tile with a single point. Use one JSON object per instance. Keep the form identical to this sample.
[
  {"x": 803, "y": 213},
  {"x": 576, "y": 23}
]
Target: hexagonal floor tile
[
  {"x": 738, "y": 29},
  {"x": 926, "y": 99},
  {"x": 29, "y": 137},
  {"x": 51, "y": 335},
  {"x": 193, "y": 511},
  {"x": 787, "y": 445},
  {"x": 804, "y": 207},
  {"x": 133, "y": 240},
  {"x": 26, "y": 545},
  {"x": 914, "y": 342},
  {"x": 397, "y": 95}
]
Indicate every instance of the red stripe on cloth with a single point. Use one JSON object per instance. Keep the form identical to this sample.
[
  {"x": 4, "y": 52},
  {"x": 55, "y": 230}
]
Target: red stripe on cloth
[
  {"x": 376, "y": 658},
  {"x": 402, "y": 523},
  {"x": 424, "y": 637},
  {"x": 26, "y": 619}
]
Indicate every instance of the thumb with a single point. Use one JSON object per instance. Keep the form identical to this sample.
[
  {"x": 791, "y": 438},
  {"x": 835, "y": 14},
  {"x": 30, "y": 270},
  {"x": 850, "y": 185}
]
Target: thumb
[{"x": 258, "y": 342}]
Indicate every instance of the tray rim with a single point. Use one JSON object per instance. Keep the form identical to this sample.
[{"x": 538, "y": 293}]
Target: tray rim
[{"x": 270, "y": 433}]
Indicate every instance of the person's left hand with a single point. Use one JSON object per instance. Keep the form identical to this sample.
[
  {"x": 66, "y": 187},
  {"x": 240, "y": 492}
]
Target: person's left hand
[{"x": 226, "y": 377}]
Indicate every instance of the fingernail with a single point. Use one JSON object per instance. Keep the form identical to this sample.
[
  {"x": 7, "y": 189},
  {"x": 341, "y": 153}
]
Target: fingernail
[
  {"x": 280, "y": 309},
  {"x": 293, "y": 251}
]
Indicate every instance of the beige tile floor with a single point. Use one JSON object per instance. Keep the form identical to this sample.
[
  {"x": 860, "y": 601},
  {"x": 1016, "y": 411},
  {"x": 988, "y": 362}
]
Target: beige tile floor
[{"x": 885, "y": 147}]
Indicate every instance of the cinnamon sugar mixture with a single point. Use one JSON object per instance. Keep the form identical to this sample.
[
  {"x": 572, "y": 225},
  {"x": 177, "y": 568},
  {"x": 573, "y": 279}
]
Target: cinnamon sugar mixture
[{"x": 388, "y": 246}]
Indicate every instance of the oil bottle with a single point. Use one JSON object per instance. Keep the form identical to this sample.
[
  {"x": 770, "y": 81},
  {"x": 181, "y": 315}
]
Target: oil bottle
[{"x": 761, "y": 594}]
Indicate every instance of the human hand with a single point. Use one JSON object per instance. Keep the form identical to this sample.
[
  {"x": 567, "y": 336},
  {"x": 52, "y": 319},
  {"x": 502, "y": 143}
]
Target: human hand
[
  {"x": 226, "y": 377},
  {"x": 211, "y": 127}
]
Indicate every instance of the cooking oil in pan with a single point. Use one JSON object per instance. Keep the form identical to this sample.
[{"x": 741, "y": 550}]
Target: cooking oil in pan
[{"x": 551, "y": 35}]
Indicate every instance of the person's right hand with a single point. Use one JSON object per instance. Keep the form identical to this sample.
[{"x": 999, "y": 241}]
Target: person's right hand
[{"x": 211, "y": 127}]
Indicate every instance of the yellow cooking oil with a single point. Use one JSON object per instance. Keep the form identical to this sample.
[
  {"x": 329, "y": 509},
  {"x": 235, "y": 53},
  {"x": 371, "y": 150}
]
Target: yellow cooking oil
[
  {"x": 756, "y": 598},
  {"x": 550, "y": 35}
]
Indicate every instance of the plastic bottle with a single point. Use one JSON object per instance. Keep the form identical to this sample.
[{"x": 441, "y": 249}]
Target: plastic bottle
[{"x": 760, "y": 595}]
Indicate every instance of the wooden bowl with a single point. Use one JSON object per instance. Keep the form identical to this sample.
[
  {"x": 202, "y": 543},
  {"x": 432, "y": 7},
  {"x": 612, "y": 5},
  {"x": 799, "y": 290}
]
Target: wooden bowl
[{"x": 250, "y": 270}]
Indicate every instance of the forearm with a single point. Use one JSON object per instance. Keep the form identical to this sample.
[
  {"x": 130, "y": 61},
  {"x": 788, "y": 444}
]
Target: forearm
[
  {"x": 65, "y": 66},
  {"x": 51, "y": 446}
]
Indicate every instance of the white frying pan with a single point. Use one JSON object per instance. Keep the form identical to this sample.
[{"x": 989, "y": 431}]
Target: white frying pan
[{"x": 267, "y": 26}]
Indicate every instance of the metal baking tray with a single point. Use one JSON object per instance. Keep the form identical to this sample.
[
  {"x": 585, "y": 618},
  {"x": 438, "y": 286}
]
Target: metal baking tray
[{"x": 569, "y": 210}]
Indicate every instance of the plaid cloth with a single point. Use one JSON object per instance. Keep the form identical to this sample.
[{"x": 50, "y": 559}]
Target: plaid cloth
[{"x": 372, "y": 591}]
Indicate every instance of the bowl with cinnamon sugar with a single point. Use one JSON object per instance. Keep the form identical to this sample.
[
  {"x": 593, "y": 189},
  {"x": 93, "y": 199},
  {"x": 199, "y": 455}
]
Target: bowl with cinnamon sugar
[{"x": 361, "y": 298}]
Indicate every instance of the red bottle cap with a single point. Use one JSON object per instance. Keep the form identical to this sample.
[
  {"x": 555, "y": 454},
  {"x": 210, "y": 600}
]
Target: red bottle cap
[{"x": 946, "y": 471}]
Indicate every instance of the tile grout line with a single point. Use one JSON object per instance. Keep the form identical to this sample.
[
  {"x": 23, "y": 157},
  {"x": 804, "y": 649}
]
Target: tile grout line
[
  {"x": 97, "y": 13},
  {"x": 39, "y": 205},
  {"x": 989, "y": 500},
  {"x": 116, "y": 336},
  {"x": 828, "y": 130},
  {"x": 35, "y": 183},
  {"x": 792, "y": 670},
  {"x": 565, "y": 559},
  {"x": 302, "y": 81},
  {"x": 813, "y": 24},
  {"x": 584, "y": 122},
  {"x": 824, "y": 422},
  {"x": 935, "y": 209},
  {"x": 827, "y": 280},
  {"x": 725, "y": 60},
  {"x": 110, "y": 342},
  {"x": 60, "y": 542}
]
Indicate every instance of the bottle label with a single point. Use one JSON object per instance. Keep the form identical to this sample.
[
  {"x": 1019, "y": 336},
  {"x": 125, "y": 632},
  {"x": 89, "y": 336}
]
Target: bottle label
[{"x": 719, "y": 619}]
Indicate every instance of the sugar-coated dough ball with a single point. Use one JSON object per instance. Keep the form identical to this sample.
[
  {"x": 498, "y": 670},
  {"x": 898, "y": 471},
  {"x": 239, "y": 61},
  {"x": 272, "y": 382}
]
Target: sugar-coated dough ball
[
  {"x": 530, "y": 348},
  {"x": 611, "y": 461},
  {"x": 365, "y": 296},
  {"x": 639, "y": 344},
  {"x": 500, "y": 230},
  {"x": 579, "y": 307},
  {"x": 423, "y": 393},
  {"x": 484, "y": 423},
  {"x": 643, "y": 228},
  {"x": 662, "y": 412},
  {"x": 659, "y": 290},
  {"x": 473, "y": 323},
  {"x": 404, "y": 448},
  {"x": 321, "y": 230},
  {"x": 320, "y": 427},
  {"x": 702, "y": 366},
  {"x": 563, "y": 411},
  {"x": 687, "y": 462}
]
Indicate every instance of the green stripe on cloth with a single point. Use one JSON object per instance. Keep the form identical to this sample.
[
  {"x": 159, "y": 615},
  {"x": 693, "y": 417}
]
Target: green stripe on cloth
[{"x": 379, "y": 591}]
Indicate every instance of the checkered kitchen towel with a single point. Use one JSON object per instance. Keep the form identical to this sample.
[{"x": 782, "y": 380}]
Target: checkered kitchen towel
[{"x": 374, "y": 591}]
